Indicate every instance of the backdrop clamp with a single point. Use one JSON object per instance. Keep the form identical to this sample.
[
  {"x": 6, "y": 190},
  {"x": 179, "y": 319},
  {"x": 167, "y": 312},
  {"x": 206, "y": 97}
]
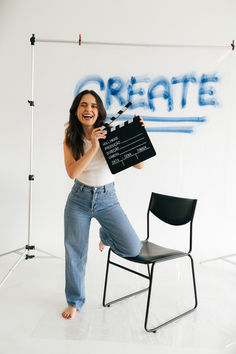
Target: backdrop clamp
[
  {"x": 31, "y": 103},
  {"x": 27, "y": 247},
  {"x": 32, "y": 39},
  {"x": 233, "y": 45}
]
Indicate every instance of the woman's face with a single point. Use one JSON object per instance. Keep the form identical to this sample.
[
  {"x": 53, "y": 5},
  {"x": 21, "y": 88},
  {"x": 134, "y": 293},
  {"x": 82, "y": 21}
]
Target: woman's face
[{"x": 87, "y": 111}]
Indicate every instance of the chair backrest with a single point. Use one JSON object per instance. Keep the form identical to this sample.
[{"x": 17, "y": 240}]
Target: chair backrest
[{"x": 172, "y": 210}]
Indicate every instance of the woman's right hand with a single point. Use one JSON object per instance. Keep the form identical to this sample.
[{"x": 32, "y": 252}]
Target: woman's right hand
[{"x": 97, "y": 134}]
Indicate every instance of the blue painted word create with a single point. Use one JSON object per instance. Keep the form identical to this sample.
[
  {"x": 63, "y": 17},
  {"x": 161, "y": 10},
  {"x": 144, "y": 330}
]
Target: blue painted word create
[{"x": 142, "y": 91}]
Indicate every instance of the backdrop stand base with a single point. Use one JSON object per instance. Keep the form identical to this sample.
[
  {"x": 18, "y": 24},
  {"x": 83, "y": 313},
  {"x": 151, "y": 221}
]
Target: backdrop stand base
[
  {"x": 222, "y": 258},
  {"x": 25, "y": 253}
]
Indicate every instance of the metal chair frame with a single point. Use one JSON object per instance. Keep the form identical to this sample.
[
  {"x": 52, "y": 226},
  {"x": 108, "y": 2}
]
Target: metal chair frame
[{"x": 151, "y": 274}]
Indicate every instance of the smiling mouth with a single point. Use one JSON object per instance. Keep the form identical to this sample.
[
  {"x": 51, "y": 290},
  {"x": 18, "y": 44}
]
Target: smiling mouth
[{"x": 87, "y": 116}]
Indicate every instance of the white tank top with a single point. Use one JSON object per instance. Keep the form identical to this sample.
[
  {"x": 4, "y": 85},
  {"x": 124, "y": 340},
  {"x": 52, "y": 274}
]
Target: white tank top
[{"x": 97, "y": 173}]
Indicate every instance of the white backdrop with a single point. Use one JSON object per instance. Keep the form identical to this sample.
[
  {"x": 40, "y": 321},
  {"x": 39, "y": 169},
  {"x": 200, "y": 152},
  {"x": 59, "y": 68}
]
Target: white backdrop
[{"x": 195, "y": 160}]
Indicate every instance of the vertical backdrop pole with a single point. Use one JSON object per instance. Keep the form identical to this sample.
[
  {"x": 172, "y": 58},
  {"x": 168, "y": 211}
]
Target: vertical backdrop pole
[{"x": 31, "y": 176}]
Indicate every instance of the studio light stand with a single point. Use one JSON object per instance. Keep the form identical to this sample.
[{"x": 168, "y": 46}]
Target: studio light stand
[{"x": 26, "y": 251}]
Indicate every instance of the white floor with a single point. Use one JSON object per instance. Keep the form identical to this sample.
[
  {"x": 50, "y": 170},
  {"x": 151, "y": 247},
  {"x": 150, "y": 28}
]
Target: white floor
[{"x": 33, "y": 297}]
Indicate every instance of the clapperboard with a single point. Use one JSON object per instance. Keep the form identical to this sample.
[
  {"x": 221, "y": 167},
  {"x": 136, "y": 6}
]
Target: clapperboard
[{"x": 126, "y": 144}]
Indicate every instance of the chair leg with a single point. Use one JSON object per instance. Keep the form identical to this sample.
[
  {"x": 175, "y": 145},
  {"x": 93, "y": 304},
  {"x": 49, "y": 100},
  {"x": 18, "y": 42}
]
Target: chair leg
[
  {"x": 106, "y": 281},
  {"x": 106, "y": 278},
  {"x": 194, "y": 282},
  {"x": 154, "y": 329},
  {"x": 149, "y": 272},
  {"x": 149, "y": 297}
]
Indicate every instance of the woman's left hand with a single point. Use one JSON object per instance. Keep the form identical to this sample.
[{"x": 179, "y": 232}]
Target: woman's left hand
[
  {"x": 141, "y": 120},
  {"x": 140, "y": 164}
]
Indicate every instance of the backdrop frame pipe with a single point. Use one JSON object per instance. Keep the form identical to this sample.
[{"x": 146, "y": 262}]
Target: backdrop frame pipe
[{"x": 126, "y": 44}]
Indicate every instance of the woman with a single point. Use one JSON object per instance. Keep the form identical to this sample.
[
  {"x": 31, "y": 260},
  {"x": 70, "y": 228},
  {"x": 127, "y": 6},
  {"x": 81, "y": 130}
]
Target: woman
[{"x": 93, "y": 195}]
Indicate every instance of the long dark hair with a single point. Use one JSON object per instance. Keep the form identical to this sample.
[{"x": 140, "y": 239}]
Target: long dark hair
[{"x": 74, "y": 133}]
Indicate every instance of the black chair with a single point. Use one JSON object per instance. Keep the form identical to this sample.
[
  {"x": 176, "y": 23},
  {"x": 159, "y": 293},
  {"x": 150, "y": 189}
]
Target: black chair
[{"x": 171, "y": 210}]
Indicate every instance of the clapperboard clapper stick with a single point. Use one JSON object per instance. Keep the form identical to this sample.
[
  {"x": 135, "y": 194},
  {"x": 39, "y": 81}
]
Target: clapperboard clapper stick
[{"x": 126, "y": 144}]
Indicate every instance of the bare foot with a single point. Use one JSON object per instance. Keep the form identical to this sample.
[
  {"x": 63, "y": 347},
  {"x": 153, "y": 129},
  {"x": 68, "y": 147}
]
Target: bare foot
[
  {"x": 69, "y": 313},
  {"x": 101, "y": 246}
]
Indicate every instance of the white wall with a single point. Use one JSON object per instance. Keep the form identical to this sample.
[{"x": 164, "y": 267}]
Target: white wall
[{"x": 199, "y": 165}]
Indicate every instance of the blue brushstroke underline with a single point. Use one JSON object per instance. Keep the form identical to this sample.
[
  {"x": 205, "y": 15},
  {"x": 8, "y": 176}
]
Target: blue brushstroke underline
[
  {"x": 125, "y": 117},
  {"x": 183, "y": 129},
  {"x": 187, "y": 130}
]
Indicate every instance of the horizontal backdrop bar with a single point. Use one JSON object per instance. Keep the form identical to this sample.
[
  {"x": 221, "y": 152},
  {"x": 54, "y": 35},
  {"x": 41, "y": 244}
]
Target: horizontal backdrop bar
[
  {"x": 55, "y": 41},
  {"x": 81, "y": 42},
  {"x": 153, "y": 45}
]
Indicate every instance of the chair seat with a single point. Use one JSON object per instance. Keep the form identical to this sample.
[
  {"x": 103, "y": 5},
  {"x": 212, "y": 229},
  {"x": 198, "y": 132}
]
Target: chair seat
[{"x": 150, "y": 252}]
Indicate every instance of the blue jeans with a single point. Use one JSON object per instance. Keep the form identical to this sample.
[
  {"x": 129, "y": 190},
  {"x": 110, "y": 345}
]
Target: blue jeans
[{"x": 84, "y": 203}]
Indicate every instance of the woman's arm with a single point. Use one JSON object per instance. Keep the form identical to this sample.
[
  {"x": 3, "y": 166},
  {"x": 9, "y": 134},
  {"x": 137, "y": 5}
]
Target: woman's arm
[{"x": 75, "y": 168}]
